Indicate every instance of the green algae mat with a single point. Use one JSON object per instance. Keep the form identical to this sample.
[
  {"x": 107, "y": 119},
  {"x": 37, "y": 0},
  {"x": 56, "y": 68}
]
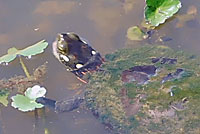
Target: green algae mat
[{"x": 151, "y": 89}]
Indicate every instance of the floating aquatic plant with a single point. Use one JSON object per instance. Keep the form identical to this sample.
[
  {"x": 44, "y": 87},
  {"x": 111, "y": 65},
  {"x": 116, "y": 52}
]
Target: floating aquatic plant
[
  {"x": 29, "y": 51},
  {"x": 135, "y": 33},
  {"x": 27, "y": 102},
  {"x": 3, "y": 97},
  {"x": 157, "y": 11}
]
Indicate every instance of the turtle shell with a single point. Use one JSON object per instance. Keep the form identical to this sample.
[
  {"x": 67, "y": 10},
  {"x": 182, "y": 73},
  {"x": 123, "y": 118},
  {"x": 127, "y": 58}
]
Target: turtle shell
[{"x": 76, "y": 54}]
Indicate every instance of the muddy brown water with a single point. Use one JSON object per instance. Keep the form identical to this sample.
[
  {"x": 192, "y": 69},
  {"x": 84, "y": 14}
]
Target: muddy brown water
[{"x": 103, "y": 23}]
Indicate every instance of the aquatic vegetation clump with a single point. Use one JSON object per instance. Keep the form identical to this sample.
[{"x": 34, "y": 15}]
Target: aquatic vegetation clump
[
  {"x": 135, "y": 33},
  {"x": 151, "y": 85},
  {"x": 21, "y": 83},
  {"x": 3, "y": 97}
]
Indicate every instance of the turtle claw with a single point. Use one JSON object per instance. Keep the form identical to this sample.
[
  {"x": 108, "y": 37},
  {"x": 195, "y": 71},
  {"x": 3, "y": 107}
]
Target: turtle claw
[
  {"x": 84, "y": 73},
  {"x": 82, "y": 80}
]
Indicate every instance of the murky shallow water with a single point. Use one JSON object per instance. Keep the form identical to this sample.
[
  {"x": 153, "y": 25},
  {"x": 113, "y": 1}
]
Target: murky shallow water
[{"x": 103, "y": 22}]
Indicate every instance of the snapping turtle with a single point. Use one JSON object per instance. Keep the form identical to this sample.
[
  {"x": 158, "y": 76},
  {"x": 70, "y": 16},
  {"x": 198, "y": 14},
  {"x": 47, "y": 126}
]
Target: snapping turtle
[{"x": 151, "y": 89}]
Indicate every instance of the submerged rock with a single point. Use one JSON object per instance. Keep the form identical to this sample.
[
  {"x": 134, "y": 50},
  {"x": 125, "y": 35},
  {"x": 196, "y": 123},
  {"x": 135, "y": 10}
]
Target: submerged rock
[
  {"x": 148, "y": 69},
  {"x": 140, "y": 74},
  {"x": 130, "y": 76}
]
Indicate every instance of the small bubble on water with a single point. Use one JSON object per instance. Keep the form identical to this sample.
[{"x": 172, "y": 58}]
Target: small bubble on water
[
  {"x": 5, "y": 63},
  {"x": 36, "y": 29},
  {"x": 29, "y": 57}
]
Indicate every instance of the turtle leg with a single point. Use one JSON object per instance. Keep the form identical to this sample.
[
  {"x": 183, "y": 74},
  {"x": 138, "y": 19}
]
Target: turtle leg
[
  {"x": 61, "y": 106},
  {"x": 68, "y": 105},
  {"x": 79, "y": 75},
  {"x": 92, "y": 65}
]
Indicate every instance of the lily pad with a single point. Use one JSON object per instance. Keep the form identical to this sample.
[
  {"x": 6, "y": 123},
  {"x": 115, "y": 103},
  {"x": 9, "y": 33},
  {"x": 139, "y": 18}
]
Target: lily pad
[
  {"x": 29, "y": 51},
  {"x": 135, "y": 33},
  {"x": 3, "y": 97},
  {"x": 27, "y": 102},
  {"x": 157, "y": 11}
]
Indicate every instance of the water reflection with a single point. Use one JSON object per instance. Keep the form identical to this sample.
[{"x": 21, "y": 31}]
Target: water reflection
[
  {"x": 4, "y": 38},
  {"x": 50, "y": 8}
]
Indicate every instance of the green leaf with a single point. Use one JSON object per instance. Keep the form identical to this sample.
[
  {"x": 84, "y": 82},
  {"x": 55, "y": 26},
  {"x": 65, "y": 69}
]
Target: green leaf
[
  {"x": 27, "y": 102},
  {"x": 29, "y": 51},
  {"x": 24, "y": 103},
  {"x": 3, "y": 97},
  {"x": 157, "y": 11},
  {"x": 135, "y": 33},
  {"x": 34, "y": 49}
]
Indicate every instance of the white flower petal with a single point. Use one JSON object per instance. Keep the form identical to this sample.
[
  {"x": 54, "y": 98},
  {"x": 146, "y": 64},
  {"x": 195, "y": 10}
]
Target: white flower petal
[{"x": 35, "y": 92}]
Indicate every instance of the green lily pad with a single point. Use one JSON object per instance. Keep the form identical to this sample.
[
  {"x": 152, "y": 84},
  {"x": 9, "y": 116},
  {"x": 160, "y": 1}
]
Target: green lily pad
[
  {"x": 157, "y": 11},
  {"x": 29, "y": 51},
  {"x": 27, "y": 102},
  {"x": 135, "y": 33},
  {"x": 3, "y": 97},
  {"x": 24, "y": 103}
]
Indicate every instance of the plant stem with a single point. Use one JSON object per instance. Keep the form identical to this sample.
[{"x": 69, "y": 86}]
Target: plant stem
[
  {"x": 46, "y": 130},
  {"x": 24, "y": 67},
  {"x": 36, "y": 124},
  {"x": 36, "y": 111},
  {"x": 1, "y": 124}
]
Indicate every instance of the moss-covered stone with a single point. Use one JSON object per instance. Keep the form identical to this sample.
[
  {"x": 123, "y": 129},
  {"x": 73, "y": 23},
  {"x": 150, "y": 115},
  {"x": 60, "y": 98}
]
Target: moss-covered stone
[{"x": 154, "y": 107}]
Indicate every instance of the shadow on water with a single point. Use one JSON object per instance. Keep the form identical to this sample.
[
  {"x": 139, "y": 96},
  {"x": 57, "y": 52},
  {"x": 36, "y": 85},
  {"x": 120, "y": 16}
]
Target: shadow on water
[{"x": 103, "y": 22}]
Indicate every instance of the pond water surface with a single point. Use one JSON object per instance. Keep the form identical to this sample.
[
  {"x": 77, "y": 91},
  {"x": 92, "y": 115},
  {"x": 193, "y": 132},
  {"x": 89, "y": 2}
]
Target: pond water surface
[{"x": 103, "y": 23}]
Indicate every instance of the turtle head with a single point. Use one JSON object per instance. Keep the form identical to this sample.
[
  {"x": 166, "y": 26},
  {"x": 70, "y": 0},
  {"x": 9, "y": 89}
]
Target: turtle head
[
  {"x": 62, "y": 44},
  {"x": 63, "y": 41}
]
